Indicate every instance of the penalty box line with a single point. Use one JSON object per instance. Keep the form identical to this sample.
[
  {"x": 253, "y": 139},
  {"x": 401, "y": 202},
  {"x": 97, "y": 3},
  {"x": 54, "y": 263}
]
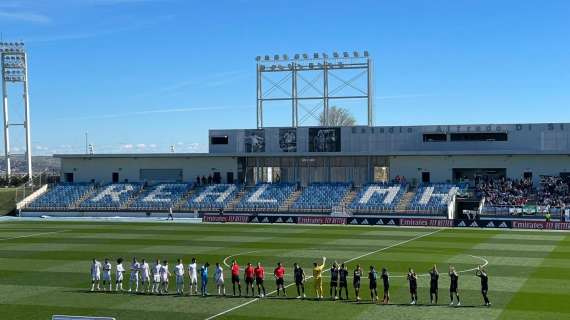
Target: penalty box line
[{"x": 309, "y": 277}]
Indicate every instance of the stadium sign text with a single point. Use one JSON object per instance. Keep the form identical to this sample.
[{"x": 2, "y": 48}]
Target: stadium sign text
[{"x": 541, "y": 225}]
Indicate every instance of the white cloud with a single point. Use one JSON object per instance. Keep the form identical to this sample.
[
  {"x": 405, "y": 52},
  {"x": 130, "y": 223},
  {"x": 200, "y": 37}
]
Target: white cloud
[
  {"x": 154, "y": 111},
  {"x": 24, "y": 16}
]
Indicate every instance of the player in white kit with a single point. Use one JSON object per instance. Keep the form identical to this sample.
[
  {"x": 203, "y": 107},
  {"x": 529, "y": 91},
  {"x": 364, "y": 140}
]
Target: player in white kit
[
  {"x": 156, "y": 277},
  {"x": 219, "y": 277},
  {"x": 135, "y": 268},
  {"x": 164, "y": 275},
  {"x": 145, "y": 276},
  {"x": 193, "y": 275},
  {"x": 179, "y": 272},
  {"x": 120, "y": 271},
  {"x": 95, "y": 274},
  {"x": 107, "y": 275}
]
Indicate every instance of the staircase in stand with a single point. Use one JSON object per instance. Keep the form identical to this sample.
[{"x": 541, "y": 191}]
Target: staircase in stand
[
  {"x": 182, "y": 203},
  {"x": 406, "y": 200},
  {"x": 348, "y": 198},
  {"x": 292, "y": 198},
  {"x": 236, "y": 200},
  {"x": 86, "y": 196}
]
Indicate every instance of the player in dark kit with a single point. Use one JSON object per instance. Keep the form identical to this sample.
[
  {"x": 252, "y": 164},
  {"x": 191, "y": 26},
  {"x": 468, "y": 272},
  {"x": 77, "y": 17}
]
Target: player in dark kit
[
  {"x": 356, "y": 281},
  {"x": 454, "y": 286},
  {"x": 433, "y": 284},
  {"x": 342, "y": 283},
  {"x": 413, "y": 280},
  {"x": 373, "y": 277},
  {"x": 386, "y": 282},
  {"x": 334, "y": 281},
  {"x": 299, "y": 274},
  {"x": 482, "y": 273}
]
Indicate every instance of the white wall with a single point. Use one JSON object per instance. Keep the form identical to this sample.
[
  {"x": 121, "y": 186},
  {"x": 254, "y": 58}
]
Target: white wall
[
  {"x": 441, "y": 167},
  {"x": 101, "y": 169}
]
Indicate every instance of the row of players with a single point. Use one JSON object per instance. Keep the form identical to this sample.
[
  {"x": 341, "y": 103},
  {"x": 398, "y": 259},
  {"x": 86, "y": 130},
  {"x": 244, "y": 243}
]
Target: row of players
[{"x": 156, "y": 279}]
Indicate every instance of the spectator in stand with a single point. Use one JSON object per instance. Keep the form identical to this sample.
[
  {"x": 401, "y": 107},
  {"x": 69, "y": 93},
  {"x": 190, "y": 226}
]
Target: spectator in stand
[
  {"x": 210, "y": 179},
  {"x": 504, "y": 191},
  {"x": 204, "y": 180},
  {"x": 197, "y": 180},
  {"x": 554, "y": 192}
]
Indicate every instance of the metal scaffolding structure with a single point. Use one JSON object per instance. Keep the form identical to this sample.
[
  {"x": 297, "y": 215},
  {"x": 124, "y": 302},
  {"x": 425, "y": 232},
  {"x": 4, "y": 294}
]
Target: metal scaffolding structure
[
  {"x": 293, "y": 71},
  {"x": 15, "y": 70}
]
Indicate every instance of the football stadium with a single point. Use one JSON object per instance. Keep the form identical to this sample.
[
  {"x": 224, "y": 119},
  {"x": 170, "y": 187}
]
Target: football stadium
[{"x": 323, "y": 221}]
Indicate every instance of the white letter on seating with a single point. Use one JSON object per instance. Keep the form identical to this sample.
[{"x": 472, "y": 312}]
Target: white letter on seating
[{"x": 113, "y": 193}]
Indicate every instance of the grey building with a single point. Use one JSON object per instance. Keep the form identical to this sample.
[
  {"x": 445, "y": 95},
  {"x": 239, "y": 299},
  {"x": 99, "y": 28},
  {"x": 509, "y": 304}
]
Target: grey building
[{"x": 359, "y": 154}]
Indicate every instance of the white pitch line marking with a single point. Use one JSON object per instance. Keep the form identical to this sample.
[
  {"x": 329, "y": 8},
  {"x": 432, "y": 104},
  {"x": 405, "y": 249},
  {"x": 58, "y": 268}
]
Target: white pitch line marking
[
  {"x": 33, "y": 235},
  {"x": 235, "y": 255},
  {"x": 309, "y": 277}
]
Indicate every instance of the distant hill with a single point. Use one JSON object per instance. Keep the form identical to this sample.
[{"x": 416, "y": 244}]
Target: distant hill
[{"x": 39, "y": 164}]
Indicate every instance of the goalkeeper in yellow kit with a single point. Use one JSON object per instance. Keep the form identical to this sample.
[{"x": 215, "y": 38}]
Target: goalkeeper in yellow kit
[{"x": 317, "y": 276}]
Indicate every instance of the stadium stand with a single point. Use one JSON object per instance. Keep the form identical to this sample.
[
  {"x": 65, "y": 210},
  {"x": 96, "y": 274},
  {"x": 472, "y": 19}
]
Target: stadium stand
[
  {"x": 266, "y": 197},
  {"x": 160, "y": 197},
  {"x": 378, "y": 198},
  {"x": 504, "y": 192},
  {"x": 112, "y": 197},
  {"x": 321, "y": 196},
  {"x": 213, "y": 197},
  {"x": 554, "y": 191},
  {"x": 433, "y": 198},
  {"x": 62, "y": 197}
]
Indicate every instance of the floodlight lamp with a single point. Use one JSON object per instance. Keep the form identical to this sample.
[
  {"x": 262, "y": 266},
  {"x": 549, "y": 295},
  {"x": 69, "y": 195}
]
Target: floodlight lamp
[
  {"x": 276, "y": 57},
  {"x": 305, "y": 56},
  {"x": 296, "y": 56},
  {"x": 355, "y": 53},
  {"x": 366, "y": 53},
  {"x": 325, "y": 56},
  {"x": 335, "y": 54},
  {"x": 285, "y": 57},
  {"x": 258, "y": 58},
  {"x": 345, "y": 54},
  {"x": 267, "y": 58},
  {"x": 315, "y": 55}
]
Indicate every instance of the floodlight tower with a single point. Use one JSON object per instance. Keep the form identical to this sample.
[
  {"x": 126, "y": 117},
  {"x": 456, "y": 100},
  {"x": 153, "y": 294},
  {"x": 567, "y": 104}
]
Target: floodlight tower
[
  {"x": 298, "y": 67},
  {"x": 15, "y": 70}
]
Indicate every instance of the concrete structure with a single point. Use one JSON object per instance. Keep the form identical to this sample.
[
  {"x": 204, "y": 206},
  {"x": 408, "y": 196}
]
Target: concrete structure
[{"x": 359, "y": 154}]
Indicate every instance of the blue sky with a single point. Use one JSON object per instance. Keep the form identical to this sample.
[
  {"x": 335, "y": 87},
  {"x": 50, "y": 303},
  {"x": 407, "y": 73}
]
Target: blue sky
[{"x": 141, "y": 75}]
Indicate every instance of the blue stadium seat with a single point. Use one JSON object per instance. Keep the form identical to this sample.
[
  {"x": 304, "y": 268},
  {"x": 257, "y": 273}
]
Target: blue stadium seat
[
  {"x": 435, "y": 197},
  {"x": 211, "y": 197},
  {"x": 378, "y": 197},
  {"x": 62, "y": 196},
  {"x": 160, "y": 197},
  {"x": 266, "y": 196},
  {"x": 112, "y": 197},
  {"x": 322, "y": 196}
]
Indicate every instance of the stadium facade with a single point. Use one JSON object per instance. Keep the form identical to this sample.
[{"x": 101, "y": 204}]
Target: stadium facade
[{"x": 359, "y": 155}]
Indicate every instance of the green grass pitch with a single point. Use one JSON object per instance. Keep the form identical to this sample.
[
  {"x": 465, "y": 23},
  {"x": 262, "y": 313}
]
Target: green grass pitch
[{"x": 44, "y": 269}]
